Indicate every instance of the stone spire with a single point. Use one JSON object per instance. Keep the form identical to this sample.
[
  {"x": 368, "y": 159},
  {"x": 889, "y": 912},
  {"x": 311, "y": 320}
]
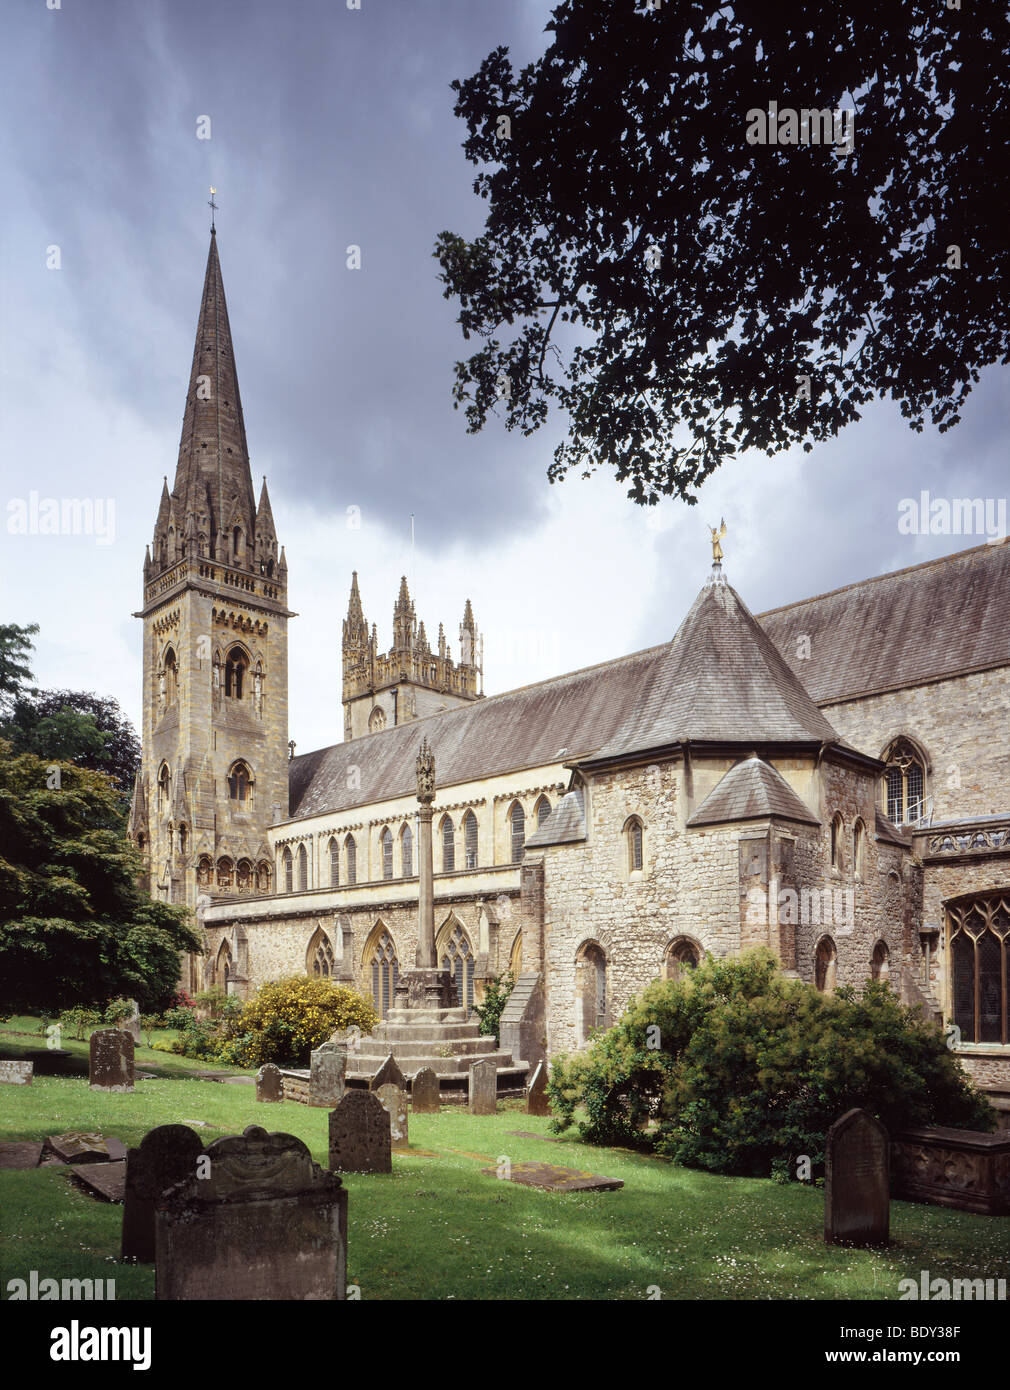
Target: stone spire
[
  {"x": 403, "y": 620},
  {"x": 213, "y": 493},
  {"x": 468, "y": 638},
  {"x": 266, "y": 534},
  {"x": 355, "y": 638}
]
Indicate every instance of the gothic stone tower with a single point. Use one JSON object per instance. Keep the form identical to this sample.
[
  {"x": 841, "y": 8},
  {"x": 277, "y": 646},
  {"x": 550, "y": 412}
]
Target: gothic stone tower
[
  {"x": 382, "y": 689},
  {"x": 214, "y": 772}
]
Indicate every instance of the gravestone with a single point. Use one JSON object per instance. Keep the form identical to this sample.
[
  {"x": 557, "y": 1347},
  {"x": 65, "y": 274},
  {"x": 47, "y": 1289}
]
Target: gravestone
[
  {"x": 327, "y": 1077},
  {"x": 389, "y": 1074},
  {"x": 78, "y": 1147},
  {"x": 483, "y": 1090},
  {"x": 554, "y": 1178},
  {"x": 360, "y": 1135},
  {"x": 16, "y": 1073},
  {"x": 857, "y": 1208},
  {"x": 424, "y": 1092},
  {"x": 536, "y": 1092},
  {"x": 394, "y": 1102},
  {"x": 131, "y": 1025},
  {"x": 106, "y": 1181},
  {"x": 110, "y": 1066},
  {"x": 265, "y": 1224},
  {"x": 166, "y": 1156},
  {"x": 269, "y": 1085}
]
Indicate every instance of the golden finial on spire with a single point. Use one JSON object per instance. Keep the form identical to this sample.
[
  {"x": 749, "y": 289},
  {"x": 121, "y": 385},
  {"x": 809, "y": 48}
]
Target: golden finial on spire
[{"x": 717, "y": 535}]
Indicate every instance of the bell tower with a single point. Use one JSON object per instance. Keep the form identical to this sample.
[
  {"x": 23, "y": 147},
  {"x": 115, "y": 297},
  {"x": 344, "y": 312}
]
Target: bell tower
[{"x": 214, "y": 771}]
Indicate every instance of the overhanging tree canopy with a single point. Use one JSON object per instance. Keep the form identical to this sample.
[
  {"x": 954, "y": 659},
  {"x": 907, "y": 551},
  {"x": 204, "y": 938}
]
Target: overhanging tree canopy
[{"x": 721, "y": 293}]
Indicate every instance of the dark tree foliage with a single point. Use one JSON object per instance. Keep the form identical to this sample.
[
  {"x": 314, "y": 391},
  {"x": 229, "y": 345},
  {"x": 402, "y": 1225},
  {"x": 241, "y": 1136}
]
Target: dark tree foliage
[
  {"x": 77, "y": 726},
  {"x": 696, "y": 278},
  {"x": 75, "y": 927},
  {"x": 15, "y": 653}
]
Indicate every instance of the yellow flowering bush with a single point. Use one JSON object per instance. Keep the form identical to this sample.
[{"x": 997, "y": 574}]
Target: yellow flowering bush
[{"x": 287, "y": 1018}]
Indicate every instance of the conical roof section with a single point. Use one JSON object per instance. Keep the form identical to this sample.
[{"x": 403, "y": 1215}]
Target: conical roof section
[
  {"x": 752, "y": 790},
  {"x": 213, "y": 454},
  {"x": 722, "y": 680}
]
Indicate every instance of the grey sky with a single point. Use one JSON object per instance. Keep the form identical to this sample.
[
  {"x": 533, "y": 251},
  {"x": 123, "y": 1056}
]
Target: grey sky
[{"x": 331, "y": 127}]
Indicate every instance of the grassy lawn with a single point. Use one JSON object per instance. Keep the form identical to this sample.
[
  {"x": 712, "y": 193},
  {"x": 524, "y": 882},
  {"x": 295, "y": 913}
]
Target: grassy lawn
[
  {"x": 21, "y": 1035},
  {"x": 437, "y": 1228}
]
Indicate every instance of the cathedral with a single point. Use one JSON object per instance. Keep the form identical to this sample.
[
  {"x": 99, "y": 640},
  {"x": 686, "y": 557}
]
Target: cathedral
[{"x": 830, "y": 779}]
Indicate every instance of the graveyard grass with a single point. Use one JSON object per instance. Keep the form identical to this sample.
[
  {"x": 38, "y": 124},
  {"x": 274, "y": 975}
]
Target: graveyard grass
[{"x": 437, "y": 1228}]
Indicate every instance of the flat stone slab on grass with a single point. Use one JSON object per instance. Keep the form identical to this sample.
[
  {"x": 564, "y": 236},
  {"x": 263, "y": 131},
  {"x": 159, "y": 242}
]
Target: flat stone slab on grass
[
  {"x": 20, "y": 1154},
  {"x": 554, "y": 1179},
  {"x": 547, "y": 1138},
  {"x": 85, "y": 1148},
  {"x": 106, "y": 1181}
]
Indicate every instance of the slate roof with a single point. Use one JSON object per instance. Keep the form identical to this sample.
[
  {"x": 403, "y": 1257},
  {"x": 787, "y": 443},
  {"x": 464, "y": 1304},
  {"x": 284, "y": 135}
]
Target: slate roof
[
  {"x": 721, "y": 680},
  {"x": 937, "y": 619},
  {"x": 565, "y": 825},
  {"x": 752, "y": 790},
  {"x": 887, "y": 830},
  {"x": 557, "y": 720}
]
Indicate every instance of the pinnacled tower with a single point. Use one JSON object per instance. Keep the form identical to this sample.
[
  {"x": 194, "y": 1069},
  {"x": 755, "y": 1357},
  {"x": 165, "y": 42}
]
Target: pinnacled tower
[{"x": 214, "y": 771}]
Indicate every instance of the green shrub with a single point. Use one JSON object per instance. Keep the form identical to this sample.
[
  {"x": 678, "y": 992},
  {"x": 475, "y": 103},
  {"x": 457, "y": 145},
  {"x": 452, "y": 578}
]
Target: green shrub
[
  {"x": 288, "y": 1018},
  {"x": 745, "y": 1070},
  {"x": 117, "y": 1011},
  {"x": 496, "y": 996},
  {"x": 77, "y": 1022},
  {"x": 150, "y": 1023}
]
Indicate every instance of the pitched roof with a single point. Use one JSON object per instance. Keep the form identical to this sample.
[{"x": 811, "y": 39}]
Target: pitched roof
[
  {"x": 565, "y": 824},
  {"x": 556, "y": 720},
  {"x": 721, "y": 680},
  {"x": 929, "y": 621},
  {"x": 752, "y": 790}
]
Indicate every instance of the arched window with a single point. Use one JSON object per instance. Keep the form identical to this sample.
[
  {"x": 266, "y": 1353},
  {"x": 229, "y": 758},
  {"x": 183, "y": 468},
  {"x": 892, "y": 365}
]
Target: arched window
[
  {"x": 470, "y": 839},
  {"x": 376, "y": 720},
  {"x": 448, "y": 845},
  {"x": 682, "y": 954},
  {"x": 236, "y": 543},
  {"x": 826, "y": 965},
  {"x": 386, "y": 842},
  {"x": 517, "y": 825},
  {"x": 287, "y": 864},
  {"x": 633, "y": 831},
  {"x": 334, "y": 863},
  {"x": 351, "y": 850},
  {"x": 303, "y": 868},
  {"x": 240, "y": 785},
  {"x": 880, "y": 962},
  {"x": 225, "y": 873},
  {"x": 243, "y": 875},
  {"x": 836, "y": 844},
  {"x": 171, "y": 676},
  {"x": 205, "y": 871},
  {"x": 385, "y": 971},
  {"x": 223, "y": 970},
  {"x": 234, "y": 673},
  {"x": 263, "y": 877},
  {"x": 319, "y": 956},
  {"x": 904, "y": 782},
  {"x": 978, "y": 933},
  {"x": 543, "y": 810},
  {"x": 457, "y": 957},
  {"x": 164, "y": 788},
  {"x": 590, "y": 990},
  {"x": 859, "y": 850},
  {"x": 407, "y": 851}
]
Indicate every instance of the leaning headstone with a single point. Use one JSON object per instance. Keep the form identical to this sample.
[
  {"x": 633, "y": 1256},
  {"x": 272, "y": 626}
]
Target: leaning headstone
[
  {"x": 266, "y": 1223},
  {"x": 110, "y": 1065},
  {"x": 167, "y": 1155},
  {"x": 360, "y": 1135},
  {"x": 16, "y": 1073},
  {"x": 389, "y": 1074},
  {"x": 857, "y": 1208},
  {"x": 269, "y": 1085},
  {"x": 483, "y": 1088},
  {"x": 394, "y": 1102},
  {"x": 131, "y": 1025},
  {"x": 536, "y": 1092},
  {"x": 424, "y": 1092},
  {"x": 327, "y": 1077}
]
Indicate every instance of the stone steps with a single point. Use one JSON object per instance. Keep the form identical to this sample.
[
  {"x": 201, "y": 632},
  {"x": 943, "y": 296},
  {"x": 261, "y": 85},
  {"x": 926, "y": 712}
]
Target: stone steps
[
  {"x": 424, "y": 1047},
  {"x": 441, "y": 1066}
]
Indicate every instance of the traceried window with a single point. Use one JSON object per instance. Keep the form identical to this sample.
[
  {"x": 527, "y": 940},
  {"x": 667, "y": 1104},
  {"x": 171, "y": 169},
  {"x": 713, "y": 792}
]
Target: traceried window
[
  {"x": 517, "y": 825},
  {"x": 978, "y": 934},
  {"x": 320, "y": 956},
  {"x": 240, "y": 785},
  {"x": 234, "y": 673},
  {"x": 351, "y": 851},
  {"x": 904, "y": 782},
  {"x": 288, "y": 869},
  {"x": 376, "y": 720},
  {"x": 457, "y": 958},
  {"x": 407, "y": 851},
  {"x": 303, "y": 868},
  {"x": 334, "y": 863},
  {"x": 448, "y": 845},
  {"x": 385, "y": 970},
  {"x": 386, "y": 841},
  {"x": 470, "y": 839}
]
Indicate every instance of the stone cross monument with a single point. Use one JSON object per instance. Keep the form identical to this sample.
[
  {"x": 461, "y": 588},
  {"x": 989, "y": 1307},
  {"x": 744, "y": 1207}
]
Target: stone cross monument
[{"x": 425, "y": 987}]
